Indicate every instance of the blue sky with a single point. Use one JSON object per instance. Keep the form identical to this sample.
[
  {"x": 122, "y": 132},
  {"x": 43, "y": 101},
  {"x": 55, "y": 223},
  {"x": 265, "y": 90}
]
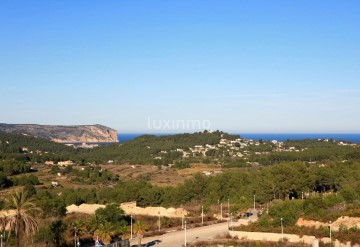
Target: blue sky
[{"x": 242, "y": 66}]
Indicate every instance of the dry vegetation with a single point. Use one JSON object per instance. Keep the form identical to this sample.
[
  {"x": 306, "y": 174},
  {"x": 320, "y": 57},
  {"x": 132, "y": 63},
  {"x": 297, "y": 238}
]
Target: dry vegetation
[{"x": 168, "y": 177}]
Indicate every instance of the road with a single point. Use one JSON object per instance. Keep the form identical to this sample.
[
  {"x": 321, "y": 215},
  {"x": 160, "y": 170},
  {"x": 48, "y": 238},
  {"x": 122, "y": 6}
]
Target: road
[{"x": 177, "y": 239}]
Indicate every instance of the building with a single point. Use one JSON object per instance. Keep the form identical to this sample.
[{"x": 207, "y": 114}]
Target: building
[{"x": 66, "y": 163}]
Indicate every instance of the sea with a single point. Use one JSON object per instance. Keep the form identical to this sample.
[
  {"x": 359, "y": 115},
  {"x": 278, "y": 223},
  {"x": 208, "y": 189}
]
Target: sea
[{"x": 123, "y": 137}]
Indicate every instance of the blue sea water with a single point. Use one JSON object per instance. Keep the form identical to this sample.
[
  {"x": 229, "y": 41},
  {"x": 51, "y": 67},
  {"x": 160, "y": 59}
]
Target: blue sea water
[
  {"x": 302, "y": 136},
  {"x": 127, "y": 137},
  {"x": 271, "y": 136}
]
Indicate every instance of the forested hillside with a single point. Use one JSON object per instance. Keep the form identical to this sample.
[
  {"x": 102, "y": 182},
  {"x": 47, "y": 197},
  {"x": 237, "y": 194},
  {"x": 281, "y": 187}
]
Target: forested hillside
[
  {"x": 138, "y": 151},
  {"x": 143, "y": 149},
  {"x": 326, "y": 172},
  {"x": 14, "y": 143}
]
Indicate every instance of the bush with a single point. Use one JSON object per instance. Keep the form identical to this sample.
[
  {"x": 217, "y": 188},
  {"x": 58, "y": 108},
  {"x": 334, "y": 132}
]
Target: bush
[
  {"x": 26, "y": 180},
  {"x": 4, "y": 181},
  {"x": 264, "y": 221},
  {"x": 349, "y": 193},
  {"x": 289, "y": 210}
]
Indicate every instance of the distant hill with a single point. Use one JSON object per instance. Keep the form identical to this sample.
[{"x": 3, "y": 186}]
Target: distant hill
[
  {"x": 143, "y": 149},
  {"x": 64, "y": 134}
]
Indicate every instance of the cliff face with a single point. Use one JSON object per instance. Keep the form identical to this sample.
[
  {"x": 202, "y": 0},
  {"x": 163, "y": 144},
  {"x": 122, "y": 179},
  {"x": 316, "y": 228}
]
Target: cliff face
[{"x": 64, "y": 134}]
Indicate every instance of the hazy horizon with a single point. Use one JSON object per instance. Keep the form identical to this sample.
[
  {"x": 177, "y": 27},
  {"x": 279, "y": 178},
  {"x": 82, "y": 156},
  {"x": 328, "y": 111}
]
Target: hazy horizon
[{"x": 236, "y": 66}]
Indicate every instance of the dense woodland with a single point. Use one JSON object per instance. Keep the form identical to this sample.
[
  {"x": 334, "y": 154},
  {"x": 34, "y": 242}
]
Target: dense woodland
[
  {"x": 328, "y": 174},
  {"x": 280, "y": 181}
]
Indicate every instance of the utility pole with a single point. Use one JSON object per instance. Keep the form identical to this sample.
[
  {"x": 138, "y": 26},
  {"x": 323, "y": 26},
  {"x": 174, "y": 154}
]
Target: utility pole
[
  {"x": 185, "y": 234},
  {"x": 182, "y": 218},
  {"x": 202, "y": 215},
  {"x": 131, "y": 227},
  {"x": 254, "y": 204},
  {"x": 282, "y": 230},
  {"x": 75, "y": 236},
  {"x": 302, "y": 200}
]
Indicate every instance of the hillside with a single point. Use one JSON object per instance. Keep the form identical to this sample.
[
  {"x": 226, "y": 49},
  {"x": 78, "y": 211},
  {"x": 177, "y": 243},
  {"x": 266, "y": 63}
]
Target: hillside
[
  {"x": 320, "y": 176},
  {"x": 23, "y": 144},
  {"x": 144, "y": 149},
  {"x": 64, "y": 134}
]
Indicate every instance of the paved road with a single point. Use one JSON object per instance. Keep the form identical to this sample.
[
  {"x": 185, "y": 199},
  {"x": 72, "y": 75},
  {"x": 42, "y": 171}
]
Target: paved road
[{"x": 177, "y": 239}]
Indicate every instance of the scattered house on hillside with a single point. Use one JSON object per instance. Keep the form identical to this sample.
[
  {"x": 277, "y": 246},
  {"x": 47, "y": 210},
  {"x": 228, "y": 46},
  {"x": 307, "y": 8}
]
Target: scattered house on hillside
[
  {"x": 186, "y": 155},
  {"x": 66, "y": 163},
  {"x": 54, "y": 184},
  {"x": 210, "y": 146},
  {"x": 48, "y": 162},
  {"x": 209, "y": 173},
  {"x": 86, "y": 145},
  {"x": 223, "y": 141},
  {"x": 347, "y": 144}
]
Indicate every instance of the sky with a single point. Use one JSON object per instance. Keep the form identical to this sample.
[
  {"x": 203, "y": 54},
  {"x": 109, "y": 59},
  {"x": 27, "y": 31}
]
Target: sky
[{"x": 182, "y": 66}]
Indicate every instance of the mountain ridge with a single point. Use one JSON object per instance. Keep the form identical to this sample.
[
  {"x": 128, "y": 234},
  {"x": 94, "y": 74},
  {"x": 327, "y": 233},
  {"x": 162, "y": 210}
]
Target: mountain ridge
[{"x": 64, "y": 133}]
